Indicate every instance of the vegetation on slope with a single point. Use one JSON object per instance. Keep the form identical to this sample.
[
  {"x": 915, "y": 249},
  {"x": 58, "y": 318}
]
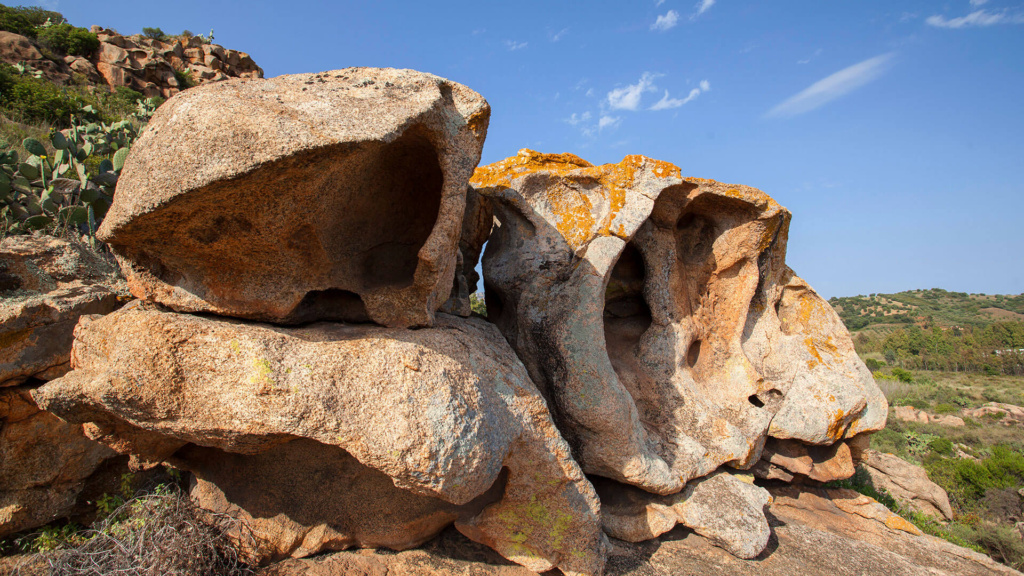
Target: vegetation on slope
[{"x": 938, "y": 330}]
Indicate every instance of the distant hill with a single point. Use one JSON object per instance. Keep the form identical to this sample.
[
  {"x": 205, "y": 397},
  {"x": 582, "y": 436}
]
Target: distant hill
[
  {"x": 938, "y": 330},
  {"x": 927, "y": 308}
]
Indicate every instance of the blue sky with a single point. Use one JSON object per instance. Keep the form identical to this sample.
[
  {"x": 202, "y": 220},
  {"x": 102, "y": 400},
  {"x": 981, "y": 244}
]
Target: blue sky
[{"x": 894, "y": 131}]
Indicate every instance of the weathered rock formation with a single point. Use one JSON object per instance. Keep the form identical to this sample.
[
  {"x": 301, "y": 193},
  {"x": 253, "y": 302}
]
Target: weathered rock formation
[
  {"x": 815, "y": 532},
  {"x": 658, "y": 315},
  {"x": 911, "y": 414},
  {"x": 1005, "y": 414},
  {"x": 337, "y": 399},
  {"x": 789, "y": 460},
  {"x": 315, "y": 196},
  {"x": 724, "y": 508},
  {"x": 142, "y": 64},
  {"x": 45, "y": 463},
  {"x": 46, "y": 284},
  {"x": 441, "y": 412},
  {"x": 907, "y": 483}
]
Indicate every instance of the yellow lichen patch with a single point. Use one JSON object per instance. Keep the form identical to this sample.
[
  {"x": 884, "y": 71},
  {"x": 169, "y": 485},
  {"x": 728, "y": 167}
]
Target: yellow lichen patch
[
  {"x": 10, "y": 339},
  {"x": 837, "y": 424},
  {"x": 581, "y": 210},
  {"x": 262, "y": 372},
  {"x": 895, "y": 522}
]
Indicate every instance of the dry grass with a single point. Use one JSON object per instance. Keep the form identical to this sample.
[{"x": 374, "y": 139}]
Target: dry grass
[{"x": 157, "y": 534}]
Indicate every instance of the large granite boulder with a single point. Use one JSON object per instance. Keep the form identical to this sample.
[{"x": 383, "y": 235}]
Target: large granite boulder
[
  {"x": 337, "y": 195},
  {"x": 448, "y": 415},
  {"x": 907, "y": 483},
  {"x": 724, "y": 508},
  {"x": 46, "y": 284},
  {"x": 45, "y": 463},
  {"x": 658, "y": 316}
]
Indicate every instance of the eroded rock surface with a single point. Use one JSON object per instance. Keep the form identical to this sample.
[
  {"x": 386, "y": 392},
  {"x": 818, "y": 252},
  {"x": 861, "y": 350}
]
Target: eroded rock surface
[
  {"x": 44, "y": 463},
  {"x": 331, "y": 196},
  {"x": 726, "y": 509},
  {"x": 46, "y": 284},
  {"x": 907, "y": 483},
  {"x": 658, "y": 316},
  {"x": 787, "y": 460},
  {"x": 814, "y": 533},
  {"x": 312, "y": 497},
  {"x": 443, "y": 412}
]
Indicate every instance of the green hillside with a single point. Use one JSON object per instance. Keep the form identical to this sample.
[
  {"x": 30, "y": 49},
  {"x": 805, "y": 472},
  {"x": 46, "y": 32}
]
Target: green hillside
[
  {"x": 938, "y": 330},
  {"x": 926, "y": 307}
]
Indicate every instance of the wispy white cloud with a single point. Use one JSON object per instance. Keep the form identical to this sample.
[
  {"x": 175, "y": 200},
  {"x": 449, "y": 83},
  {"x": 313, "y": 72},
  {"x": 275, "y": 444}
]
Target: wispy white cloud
[
  {"x": 978, "y": 2},
  {"x": 658, "y": 3},
  {"x": 811, "y": 57},
  {"x": 628, "y": 97},
  {"x": 702, "y": 7},
  {"x": 829, "y": 88},
  {"x": 667, "y": 103},
  {"x": 976, "y": 18},
  {"x": 558, "y": 35},
  {"x": 513, "y": 45},
  {"x": 479, "y": 31},
  {"x": 608, "y": 122},
  {"x": 666, "y": 21},
  {"x": 590, "y": 93},
  {"x": 575, "y": 118}
]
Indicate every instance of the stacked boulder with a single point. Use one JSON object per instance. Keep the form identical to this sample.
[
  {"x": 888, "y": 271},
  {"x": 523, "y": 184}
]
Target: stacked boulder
[
  {"x": 302, "y": 340},
  {"x": 335, "y": 200},
  {"x": 46, "y": 286}
]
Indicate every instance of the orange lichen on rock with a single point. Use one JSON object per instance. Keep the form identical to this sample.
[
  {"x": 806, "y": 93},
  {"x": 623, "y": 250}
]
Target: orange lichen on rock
[{"x": 584, "y": 199}]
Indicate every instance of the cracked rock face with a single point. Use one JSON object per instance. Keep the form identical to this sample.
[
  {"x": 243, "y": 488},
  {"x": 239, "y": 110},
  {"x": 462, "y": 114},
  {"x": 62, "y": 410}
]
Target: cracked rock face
[
  {"x": 45, "y": 463},
  {"x": 657, "y": 315},
  {"x": 46, "y": 284},
  {"x": 331, "y": 196},
  {"x": 724, "y": 508},
  {"x": 443, "y": 413}
]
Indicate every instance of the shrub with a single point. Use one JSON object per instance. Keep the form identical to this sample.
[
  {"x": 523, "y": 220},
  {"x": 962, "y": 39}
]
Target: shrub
[
  {"x": 903, "y": 375},
  {"x": 12, "y": 20},
  {"x": 38, "y": 16},
  {"x": 184, "y": 79},
  {"x": 941, "y": 446},
  {"x": 477, "y": 304},
  {"x": 36, "y": 100},
  {"x": 873, "y": 365},
  {"x": 154, "y": 33},
  {"x": 157, "y": 533},
  {"x": 67, "y": 39},
  {"x": 945, "y": 408}
]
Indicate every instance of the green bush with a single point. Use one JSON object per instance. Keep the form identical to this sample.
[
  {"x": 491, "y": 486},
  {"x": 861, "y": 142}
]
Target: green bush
[
  {"x": 38, "y": 16},
  {"x": 945, "y": 408},
  {"x": 941, "y": 446},
  {"x": 67, "y": 39},
  {"x": 873, "y": 365},
  {"x": 36, "y": 100},
  {"x": 903, "y": 375},
  {"x": 154, "y": 33},
  {"x": 184, "y": 79},
  {"x": 13, "y": 20}
]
